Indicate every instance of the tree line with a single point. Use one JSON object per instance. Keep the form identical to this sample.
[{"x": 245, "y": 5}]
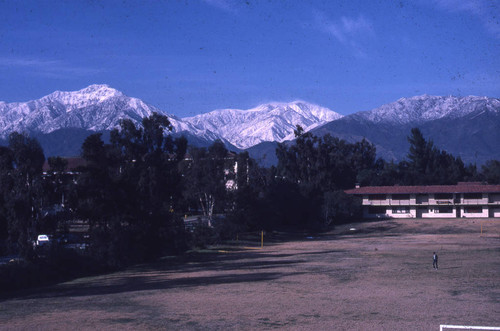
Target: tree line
[{"x": 135, "y": 192}]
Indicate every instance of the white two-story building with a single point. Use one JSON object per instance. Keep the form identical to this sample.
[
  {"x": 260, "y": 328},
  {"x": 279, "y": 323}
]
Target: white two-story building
[{"x": 471, "y": 199}]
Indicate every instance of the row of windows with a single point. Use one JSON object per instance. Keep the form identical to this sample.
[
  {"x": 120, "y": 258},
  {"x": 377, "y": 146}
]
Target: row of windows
[
  {"x": 401, "y": 210},
  {"x": 473, "y": 210},
  {"x": 437, "y": 196},
  {"x": 443, "y": 210},
  {"x": 439, "y": 210}
]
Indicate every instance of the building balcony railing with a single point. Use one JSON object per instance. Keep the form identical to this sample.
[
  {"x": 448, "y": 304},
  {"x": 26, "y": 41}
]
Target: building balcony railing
[
  {"x": 444, "y": 202},
  {"x": 474, "y": 201},
  {"x": 430, "y": 203}
]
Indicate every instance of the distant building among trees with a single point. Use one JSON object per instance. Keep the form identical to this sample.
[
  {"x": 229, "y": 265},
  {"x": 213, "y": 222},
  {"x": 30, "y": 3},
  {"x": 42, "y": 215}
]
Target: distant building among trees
[{"x": 471, "y": 199}]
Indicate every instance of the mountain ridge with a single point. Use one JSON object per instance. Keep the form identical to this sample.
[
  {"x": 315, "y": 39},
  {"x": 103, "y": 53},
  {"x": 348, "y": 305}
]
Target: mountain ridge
[
  {"x": 100, "y": 108},
  {"x": 474, "y": 136},
  {"x": 267, "y": 122},
  {"x": 423, "y": 108}
]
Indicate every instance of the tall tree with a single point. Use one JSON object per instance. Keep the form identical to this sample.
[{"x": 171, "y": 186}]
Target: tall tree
[
  {"x": 247, "y": 208},
  {"x": 58, "y": 187},
  {"x": 490, "y": 172},
  {"x": 205, "y": 176},
  {"x": 130, "y": 189},
  {"x": 320, "y": 166},
  {"x": 24, "y": 202},
  {"x": 6, "y": 183},
  {"x": 324, "y": 163},
  {"x": 429, "y": 165},
  {"x": 420, "y": 152}
]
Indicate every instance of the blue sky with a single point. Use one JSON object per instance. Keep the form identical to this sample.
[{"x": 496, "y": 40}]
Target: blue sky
[{"x": 193, "y": 56}]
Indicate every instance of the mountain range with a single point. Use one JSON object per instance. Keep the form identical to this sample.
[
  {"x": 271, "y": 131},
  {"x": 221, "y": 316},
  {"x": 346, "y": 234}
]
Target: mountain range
[{"x": 468, "y": 127}]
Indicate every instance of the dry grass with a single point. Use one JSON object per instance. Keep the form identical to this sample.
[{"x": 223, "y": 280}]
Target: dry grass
[{"x": 378, "y": 277}]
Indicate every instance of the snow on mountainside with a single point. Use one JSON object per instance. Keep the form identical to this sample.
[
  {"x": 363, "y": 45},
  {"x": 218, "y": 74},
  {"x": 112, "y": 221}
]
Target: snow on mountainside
[
  {"x": 463, "y": 126},
  {"x": 426, "y": 108},
  {"x": 97, "y": 107},
  {"x": 94, "y": 108},
  {"x": 100, "y": 107},
  {"x": 268, "y": 122}
]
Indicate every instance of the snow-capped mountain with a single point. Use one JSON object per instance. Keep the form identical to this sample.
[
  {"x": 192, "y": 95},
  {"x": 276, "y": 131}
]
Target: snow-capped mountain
[
  {"x": 468, "y": 127},
  {"x": 424, "y": 108},
  {"x": 268, "y": 122},
  {"x": 96, "y": 107},
  {"x": 100, "y": 108},
  {"x": 465, "y": 126}
]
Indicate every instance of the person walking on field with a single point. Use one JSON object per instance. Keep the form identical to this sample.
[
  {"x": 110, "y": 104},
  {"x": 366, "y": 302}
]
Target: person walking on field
[{"x": 435, "y": 261}]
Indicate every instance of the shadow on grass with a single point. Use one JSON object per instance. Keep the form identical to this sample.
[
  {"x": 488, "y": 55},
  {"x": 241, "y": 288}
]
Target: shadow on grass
[
  {"x": 230, "y": 268},
  {"x": 129, "y": 284},
  {"x": 234, "y": 265}
]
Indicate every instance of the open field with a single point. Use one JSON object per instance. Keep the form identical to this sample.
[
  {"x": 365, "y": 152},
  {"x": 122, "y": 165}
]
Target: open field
[{"x": 377, "y": 277}]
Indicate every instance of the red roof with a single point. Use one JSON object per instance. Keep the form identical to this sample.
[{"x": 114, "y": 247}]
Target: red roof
[{"x": 473, "y": 187}]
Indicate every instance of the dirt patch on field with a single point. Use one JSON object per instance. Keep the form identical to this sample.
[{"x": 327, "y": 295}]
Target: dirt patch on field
[{"x": 365, "y": 276}]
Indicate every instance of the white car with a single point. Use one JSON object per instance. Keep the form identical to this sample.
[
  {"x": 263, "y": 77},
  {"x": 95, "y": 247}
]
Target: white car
[{"x": 42, "y": 239}]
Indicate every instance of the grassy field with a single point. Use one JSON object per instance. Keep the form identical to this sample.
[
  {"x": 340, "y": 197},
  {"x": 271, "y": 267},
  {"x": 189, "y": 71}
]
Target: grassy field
[{"x": 376, "y": 277}]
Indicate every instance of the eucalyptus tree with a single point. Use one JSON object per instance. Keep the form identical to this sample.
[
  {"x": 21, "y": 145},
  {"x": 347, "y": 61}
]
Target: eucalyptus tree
[
  {"x": 6, "y": 168},
  {"x": 23, "y": 200},
  {"x": 321, "y": 167},
  {"x": 205, "y": 177},
  {"x": 324, "y": 163},
  {"x": 247, "y": 205},
  {"x": 150, "y": 160},
  {"x": 130, "y": 189}
]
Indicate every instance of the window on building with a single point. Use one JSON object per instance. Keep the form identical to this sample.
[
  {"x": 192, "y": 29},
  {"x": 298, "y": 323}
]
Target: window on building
[
  {"x": 473, "y": 210},
  {"x": 443, "y": 210},
  {"x": 400, "y": 197},
  {"x": 376, "y": 210},
  {"x": 422, "y": 198},
  {"x": 400, "y": 210},
  {"x": 376, "y": 197},
  {"x": 494, "y": 198}
]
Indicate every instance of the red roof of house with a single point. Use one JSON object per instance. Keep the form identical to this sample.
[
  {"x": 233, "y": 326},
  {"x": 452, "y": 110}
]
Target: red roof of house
[{"x": 473, "y": 187}]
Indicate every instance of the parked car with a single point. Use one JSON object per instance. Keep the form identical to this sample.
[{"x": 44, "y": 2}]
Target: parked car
[{"x": 43, "y": 240}]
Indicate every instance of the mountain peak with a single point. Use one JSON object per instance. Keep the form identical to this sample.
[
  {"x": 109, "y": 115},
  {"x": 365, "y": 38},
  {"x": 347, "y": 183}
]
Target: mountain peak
[
  {"x": 92, "y": 93},
  {"x": 95, "y": 107},
  {"x": 95, "y": 92},
  {"x": 424, "y": 108},
  {"x": 286, "y": 104},
  {"x": 273, "y": 121},
  {"x": 296, "y": 104},
  {"x": 98, "y": 88}
]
